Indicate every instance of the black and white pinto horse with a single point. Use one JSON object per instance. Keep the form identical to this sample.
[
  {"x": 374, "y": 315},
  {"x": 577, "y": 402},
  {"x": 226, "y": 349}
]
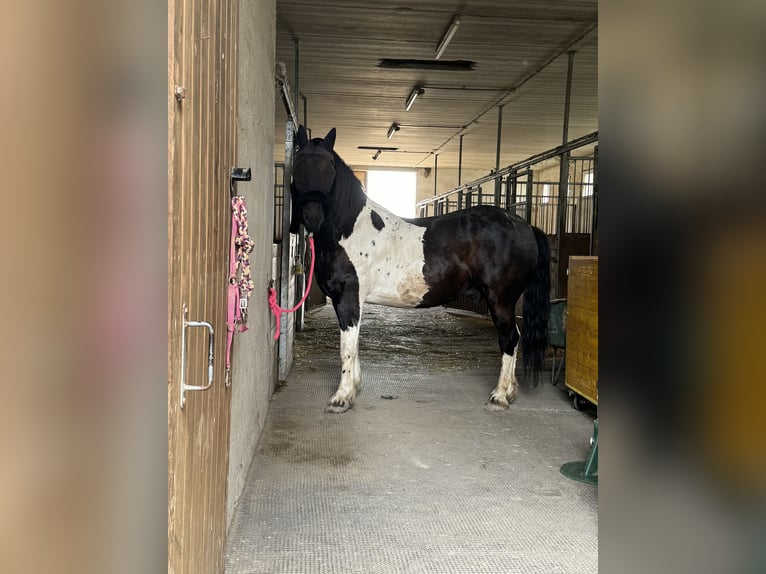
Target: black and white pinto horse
[{"x": 365, "y": 254}]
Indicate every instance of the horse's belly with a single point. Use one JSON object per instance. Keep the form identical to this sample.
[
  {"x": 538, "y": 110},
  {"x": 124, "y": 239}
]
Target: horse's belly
[{"x": 398, "y": 289}]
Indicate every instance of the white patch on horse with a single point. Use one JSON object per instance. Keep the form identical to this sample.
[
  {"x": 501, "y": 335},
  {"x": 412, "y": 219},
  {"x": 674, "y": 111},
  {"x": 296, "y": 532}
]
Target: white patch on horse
[
  {"x": 389, "y": 262},
  {"x": 507, "y": 386}
]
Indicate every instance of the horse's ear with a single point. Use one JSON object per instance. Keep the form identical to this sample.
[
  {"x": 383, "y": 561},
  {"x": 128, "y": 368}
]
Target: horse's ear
[
  {"x": 329, "y": 140},
  {"x": 303, "y": 138}
]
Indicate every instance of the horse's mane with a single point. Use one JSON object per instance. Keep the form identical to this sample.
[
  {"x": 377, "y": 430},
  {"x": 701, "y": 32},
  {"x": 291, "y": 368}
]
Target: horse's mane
[{"x": 347, "y": 198}]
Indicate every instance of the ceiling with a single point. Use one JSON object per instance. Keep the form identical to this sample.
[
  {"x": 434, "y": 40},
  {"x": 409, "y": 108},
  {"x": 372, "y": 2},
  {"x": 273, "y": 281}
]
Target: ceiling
[{"x": 520, "y": 50}]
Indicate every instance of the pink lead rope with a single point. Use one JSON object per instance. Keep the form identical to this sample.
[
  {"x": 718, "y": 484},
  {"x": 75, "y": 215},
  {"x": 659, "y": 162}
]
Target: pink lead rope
[
  {"x": 239, "y": 257},
  {"x": 276, "y": 309}
]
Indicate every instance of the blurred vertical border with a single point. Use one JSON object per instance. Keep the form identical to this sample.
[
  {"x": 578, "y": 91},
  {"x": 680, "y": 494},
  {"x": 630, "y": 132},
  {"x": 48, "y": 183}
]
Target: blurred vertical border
[
  {"x": 683, "y": 288},
  {"x": 83, "y": 219}
]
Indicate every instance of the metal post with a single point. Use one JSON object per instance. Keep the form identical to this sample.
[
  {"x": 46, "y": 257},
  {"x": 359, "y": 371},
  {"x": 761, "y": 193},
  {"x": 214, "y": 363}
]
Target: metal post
[
  {"x": 563, "y": 176},
  {"x": 585, "y": 470},
  {"x": 479, "y": 197},
  {"x": 300, "y": 279},
  {"x": 594, "y": 201},
  {"x": 497, "y": 152},
  {"x": 513, "y": 179},
  {"x": 528, "y": 211},
  {"x": 510, "y": 190},
  {"x": 285, "y": 351},
  {"x": 436, "y": 170},
  {"x": 460, "y": 200},
  {"x": 460, "y": 161},
  {"x": 568, "y": 98}
]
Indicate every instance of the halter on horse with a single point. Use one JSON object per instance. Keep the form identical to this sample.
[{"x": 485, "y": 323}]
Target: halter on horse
[{"x": 365, "y": 254}]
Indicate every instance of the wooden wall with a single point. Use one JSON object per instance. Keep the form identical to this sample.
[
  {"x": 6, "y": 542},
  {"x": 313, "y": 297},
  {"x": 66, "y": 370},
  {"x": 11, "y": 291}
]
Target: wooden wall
[{"x": 202, "y": 63}]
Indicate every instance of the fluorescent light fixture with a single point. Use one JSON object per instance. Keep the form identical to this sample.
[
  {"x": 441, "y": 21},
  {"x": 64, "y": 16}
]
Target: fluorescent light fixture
[
  {"x": 416, "y": 91},
  {"x": 447, "y": 37},
  {"x": 380, "y": 147},
  {"x": 392, "y": 130},
  {"x": 377, "y": 155}
]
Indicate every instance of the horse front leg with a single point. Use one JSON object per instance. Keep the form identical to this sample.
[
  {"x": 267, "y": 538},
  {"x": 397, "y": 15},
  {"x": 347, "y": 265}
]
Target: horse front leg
[
  {"x": 349, "y": 319},
  {"x": 350, "y": 372}
]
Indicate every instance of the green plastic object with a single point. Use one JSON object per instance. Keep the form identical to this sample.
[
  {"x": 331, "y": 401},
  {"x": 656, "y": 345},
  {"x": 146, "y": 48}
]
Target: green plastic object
[
  {"x": 557, "y": 336},
  {"x": 585, "y": 470}
]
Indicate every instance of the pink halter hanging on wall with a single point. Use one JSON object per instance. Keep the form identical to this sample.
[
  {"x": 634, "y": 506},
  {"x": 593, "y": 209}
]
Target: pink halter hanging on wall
[{"x": 239, "y": 289}]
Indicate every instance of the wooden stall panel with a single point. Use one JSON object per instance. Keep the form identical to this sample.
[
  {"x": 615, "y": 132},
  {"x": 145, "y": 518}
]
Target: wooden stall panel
[
  {"x": 582, "y": 328},
  {"x": 201, "y": 152}
]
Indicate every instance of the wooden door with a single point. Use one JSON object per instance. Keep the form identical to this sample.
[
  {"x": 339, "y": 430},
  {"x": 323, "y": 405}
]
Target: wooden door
[{"x": 202, "y": 68}]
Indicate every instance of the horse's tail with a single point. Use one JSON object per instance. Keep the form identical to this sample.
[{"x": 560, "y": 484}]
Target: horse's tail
[{"x": 536, "y": 309}]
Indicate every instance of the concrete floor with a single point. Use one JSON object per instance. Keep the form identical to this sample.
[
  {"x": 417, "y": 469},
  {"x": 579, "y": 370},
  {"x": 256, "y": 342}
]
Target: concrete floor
[{"x": 417, "y": 477}]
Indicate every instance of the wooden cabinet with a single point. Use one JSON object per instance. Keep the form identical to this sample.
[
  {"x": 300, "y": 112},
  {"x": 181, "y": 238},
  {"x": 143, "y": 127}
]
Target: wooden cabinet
[{"x": 582, "y": 328}]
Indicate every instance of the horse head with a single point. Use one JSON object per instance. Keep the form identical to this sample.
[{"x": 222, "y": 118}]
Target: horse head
[{"x": 313, "y": 179}]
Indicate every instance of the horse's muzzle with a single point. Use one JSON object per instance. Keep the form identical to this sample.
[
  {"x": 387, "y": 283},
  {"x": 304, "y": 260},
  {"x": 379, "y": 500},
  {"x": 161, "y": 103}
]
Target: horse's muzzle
[{"x": 312, "y": 214}]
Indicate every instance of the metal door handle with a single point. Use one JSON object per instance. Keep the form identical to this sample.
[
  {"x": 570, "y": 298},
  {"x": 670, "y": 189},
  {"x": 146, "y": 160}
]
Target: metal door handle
[{"x": 210, "y": 356}]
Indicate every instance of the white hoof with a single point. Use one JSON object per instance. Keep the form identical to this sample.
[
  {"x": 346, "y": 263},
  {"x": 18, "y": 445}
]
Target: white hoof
[
  {"x": 339, "y": 405},
  {"x": 498, "y": 402},
  {"x": 494, "y": 407}
]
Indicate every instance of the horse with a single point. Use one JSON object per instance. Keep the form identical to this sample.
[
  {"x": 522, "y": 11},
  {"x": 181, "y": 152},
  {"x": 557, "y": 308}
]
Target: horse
[{"x": 366, "y": 254}]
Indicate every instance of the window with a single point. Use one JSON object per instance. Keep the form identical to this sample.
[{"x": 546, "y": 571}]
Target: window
[
  {"x": 587, "y": 184},
  {"x": 394, "y": 190}
]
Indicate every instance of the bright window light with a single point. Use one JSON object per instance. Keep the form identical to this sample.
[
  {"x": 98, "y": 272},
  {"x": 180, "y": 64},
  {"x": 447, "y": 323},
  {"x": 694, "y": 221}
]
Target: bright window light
[
  {"x": 546, "y": 193},
  {"x": 587, "y": 182},
  {"x": 394, "y": 190}
]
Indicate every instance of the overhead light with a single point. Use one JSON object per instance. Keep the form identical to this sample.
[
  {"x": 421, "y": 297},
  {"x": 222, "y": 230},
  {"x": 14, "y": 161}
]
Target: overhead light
[
  {"x": 431, "y": 65},
  {"x": 392, "y": 130},
  {"x": 416, "y": 91},
  {"x": 447, "y": 37},
  {"x": 377, "y": 155},
  {"x": 380, "y": 147}
]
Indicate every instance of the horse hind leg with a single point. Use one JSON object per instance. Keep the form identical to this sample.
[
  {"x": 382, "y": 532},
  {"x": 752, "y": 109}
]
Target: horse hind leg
[{"x": 507, "y": 387}]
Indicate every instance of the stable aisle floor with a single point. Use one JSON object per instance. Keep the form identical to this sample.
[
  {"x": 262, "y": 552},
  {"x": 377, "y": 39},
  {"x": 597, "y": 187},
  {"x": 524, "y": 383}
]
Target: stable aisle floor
[{"x": 417, "y": 477}]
